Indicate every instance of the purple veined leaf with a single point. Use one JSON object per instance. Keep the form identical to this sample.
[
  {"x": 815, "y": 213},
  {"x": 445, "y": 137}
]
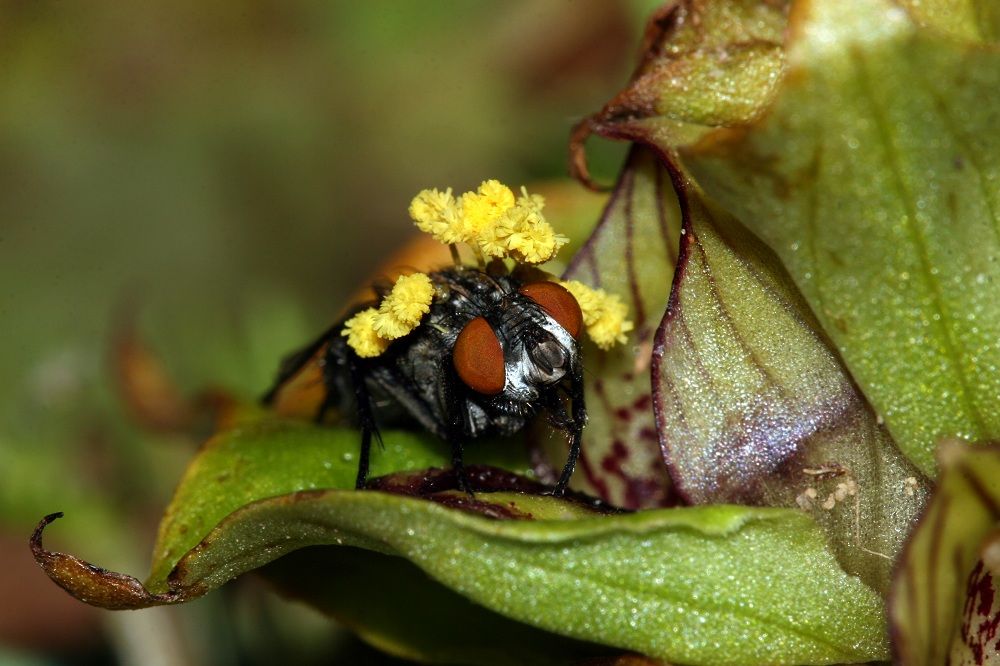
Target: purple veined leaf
[
  {"x": 886, "y": 212},
  {"x": 630, "y": 253},
  {"x": 753, "y": 407},
  {"x": 940, "y": 612}
]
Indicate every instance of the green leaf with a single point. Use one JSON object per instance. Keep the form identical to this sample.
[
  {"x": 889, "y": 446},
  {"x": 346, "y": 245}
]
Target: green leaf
[
  {"x": 876, "y": 179},
  {"x": 630, "y": 253},
  {"x": 754, "y": 407},
  {"x": 719, "y": 585},
  {"x": 274, "y": 457},
  {"x": 929, "y": 590},
  {"x": 375, "y": 595},
  {"x": 977, "y": 20}
]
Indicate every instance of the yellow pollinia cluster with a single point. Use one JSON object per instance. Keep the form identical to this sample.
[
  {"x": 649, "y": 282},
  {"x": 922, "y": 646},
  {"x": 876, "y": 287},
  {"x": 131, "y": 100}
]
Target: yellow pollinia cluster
[
  {"x": 492, "y": 220},
  {"x": 370, "y": 331},
  {"x": 498, "y": 225},
  {"x": 604, "y": 314}
]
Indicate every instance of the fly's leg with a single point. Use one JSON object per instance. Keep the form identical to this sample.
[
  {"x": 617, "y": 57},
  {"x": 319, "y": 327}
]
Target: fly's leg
[
  {"x": 576, "y": 423},
  {"x": 363, "y": 400},
  {"x": 454, "y": 434}
]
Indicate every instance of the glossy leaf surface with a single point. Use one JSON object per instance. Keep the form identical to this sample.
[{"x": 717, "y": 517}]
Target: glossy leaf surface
[
  {"x": 753, "y": 406},
  {"x": 631, "y": 253},
  {"x": 876, "y": 179},
  {"x": 665, "y": 583}
]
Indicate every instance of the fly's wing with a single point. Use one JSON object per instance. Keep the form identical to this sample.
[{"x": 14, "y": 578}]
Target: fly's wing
[
  {"x": 299, "y": 390},
  {"x": 399, "y": 402},
  {"x": 317, "y": 376}
]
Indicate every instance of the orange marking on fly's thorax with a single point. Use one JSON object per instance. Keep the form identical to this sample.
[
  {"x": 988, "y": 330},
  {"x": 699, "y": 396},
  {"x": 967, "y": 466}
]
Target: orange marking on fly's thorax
[
  {"x": 558, "y": 302},
  {"x": 478, "y": 358}
]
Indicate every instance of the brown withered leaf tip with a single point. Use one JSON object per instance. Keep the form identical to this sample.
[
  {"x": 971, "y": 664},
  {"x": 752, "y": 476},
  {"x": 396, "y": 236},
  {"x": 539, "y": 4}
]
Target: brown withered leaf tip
[{"x": 92, "y": 584}]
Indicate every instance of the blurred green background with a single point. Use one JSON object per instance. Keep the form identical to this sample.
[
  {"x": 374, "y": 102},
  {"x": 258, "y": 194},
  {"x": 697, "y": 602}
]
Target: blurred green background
[{"x": 230, "y": 172}]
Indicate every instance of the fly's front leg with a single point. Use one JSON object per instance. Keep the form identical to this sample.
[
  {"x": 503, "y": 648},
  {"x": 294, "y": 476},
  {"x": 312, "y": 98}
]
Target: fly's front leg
[
  {"x": 455, "y": 433},
  {"x": 366, "y": 414},
  {"x": 575, "y": 425}
]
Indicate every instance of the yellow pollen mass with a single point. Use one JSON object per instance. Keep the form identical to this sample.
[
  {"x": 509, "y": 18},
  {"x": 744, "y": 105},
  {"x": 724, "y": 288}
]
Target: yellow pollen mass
[
  {"x": 611, "y": 327},
  {"x": 404, "y": 307},
  {"x": 361, "y": 336},
  {"x": 604, "y": 314},
  {"x": 388, "y": 327},
  {"x": 535, "y": 202},
  {"x": 535, "y": 244},
  {"x": 438, "y": 214},
  {"x": 492, "y": 220},
  {"x": 482, "y": 208},
  {"x": 410, "y": 298}
]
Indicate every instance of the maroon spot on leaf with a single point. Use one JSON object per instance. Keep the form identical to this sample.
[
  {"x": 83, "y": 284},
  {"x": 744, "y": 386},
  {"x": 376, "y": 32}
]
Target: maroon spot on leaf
[
  {"x": 648, "y": 434},
  {"x": 619, "y": 450},
  {"x": 593, "y": 478},
  {"x": 979, "y": 627}
]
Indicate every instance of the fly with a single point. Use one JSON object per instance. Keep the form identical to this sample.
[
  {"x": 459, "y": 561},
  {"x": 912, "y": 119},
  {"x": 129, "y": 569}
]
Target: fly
[{"x": 466, "y": 351}]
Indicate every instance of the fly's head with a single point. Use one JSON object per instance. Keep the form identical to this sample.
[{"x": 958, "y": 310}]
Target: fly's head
[{"x": 520, "y": 345}]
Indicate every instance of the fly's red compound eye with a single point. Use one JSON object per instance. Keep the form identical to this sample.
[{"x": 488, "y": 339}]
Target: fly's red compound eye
[
  {"x": 478, "y": 358},
  {"x": 558, "y": 302}
]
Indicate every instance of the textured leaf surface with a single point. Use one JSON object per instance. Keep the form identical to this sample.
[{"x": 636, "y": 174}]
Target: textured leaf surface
[
  {"x": 696, "y": 585},
  {"x": 753, "y": 406},
  {"x": 631, "y": 253},
  {"x": 375, "y": 595},
  {"x": 929, "y": 590},
  {"x": 275, "y": 457},
  {"x": 876, "y": 178},
  {"x": 704, "y": 65}
]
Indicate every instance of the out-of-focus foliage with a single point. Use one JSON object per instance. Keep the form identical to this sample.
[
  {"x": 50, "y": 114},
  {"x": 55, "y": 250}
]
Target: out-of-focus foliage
[
  {"x": 220, "y": 170},
  {"x": 930, "y": 590}
]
